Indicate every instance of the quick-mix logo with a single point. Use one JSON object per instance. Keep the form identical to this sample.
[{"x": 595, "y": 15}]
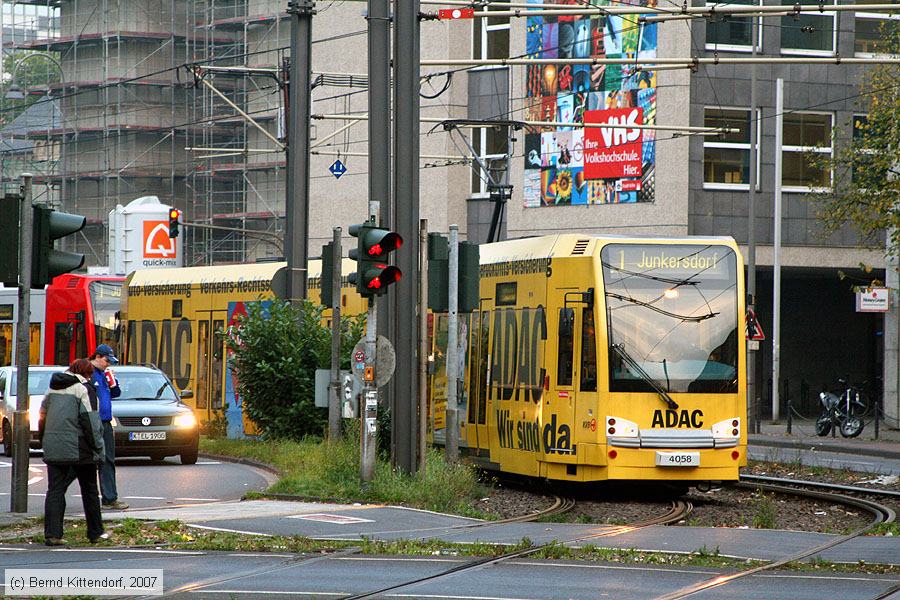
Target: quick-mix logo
[
  {"x": 613, "y": 152},
  {"x": 159, "y": 249}
]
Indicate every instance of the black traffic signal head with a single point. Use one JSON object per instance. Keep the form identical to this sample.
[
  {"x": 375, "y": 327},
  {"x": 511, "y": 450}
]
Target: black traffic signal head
[
  {"x": 373, "y": 274},
  {"x": 174, "y": 216},
  {"x": 46, "y": 261}
]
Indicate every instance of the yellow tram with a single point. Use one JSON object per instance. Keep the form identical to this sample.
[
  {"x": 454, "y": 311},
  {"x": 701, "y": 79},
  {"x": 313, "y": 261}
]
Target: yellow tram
[
  {"x": 595, "y": 358},
  {"x": 170, "y": 318}
]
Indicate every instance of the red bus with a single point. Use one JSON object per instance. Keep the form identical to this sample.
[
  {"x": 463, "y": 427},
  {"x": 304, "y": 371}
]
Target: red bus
[{"x": 82, "y": 311}]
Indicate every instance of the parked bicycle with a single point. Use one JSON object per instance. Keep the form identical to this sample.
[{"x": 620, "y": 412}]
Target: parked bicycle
[{"x": 845, "y": 412}]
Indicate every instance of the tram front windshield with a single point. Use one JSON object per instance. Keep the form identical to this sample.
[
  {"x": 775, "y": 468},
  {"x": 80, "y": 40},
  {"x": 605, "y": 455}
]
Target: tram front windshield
[
  {"x": 673, "y": 309},
  {"x": 105, "y": 300}
]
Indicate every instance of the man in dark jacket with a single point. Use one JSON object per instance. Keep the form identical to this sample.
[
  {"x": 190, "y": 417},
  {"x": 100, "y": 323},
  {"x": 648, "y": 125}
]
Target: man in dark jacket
[
  {"x": 107, "y": 388},
  {"x": 72, "y": 439}
]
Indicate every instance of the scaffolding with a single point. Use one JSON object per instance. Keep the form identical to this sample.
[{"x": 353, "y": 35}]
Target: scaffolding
[{"x": 128, "y": 107}]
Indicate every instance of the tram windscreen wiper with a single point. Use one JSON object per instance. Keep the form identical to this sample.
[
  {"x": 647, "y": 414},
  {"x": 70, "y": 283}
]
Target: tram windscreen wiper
[{"x": 638, "y": 370}]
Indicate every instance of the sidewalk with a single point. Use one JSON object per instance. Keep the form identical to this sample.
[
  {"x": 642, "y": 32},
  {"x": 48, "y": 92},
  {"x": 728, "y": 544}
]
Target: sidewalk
[{"x": 803, "y": 437}]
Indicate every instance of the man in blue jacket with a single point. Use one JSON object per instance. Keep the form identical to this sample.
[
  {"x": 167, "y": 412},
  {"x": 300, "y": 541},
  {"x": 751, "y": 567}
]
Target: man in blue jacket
[{"x": 102, "y": 358}]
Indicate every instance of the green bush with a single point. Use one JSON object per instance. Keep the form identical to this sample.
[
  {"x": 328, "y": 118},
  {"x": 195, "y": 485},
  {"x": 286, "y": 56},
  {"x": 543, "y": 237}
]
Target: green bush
[{"x": 276, "y": 350}]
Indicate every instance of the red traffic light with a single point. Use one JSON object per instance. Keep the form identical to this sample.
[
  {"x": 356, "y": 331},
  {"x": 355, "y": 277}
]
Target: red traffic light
[
  {"x": 174, "y": 214},
  {"x": 386, "y": 275}
]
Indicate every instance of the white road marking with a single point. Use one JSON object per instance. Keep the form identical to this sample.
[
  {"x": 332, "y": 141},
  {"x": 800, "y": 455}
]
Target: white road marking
[
  {"x": 35, "y": 480},
  {"x": 261, "y": 592},
  {"x": 199, "y": 499},
  {"x": 35, "y": 470},
  {"x": 131, "y": 551},
  {"x": 5, "y": 465},
  {"x": 208, "y": 462},
  {"x": 207, "y": 527},
  {"x": 144, "y": 497}
]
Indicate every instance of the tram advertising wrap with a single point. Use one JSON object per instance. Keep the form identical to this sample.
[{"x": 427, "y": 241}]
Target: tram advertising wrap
[
  {"x": 602, "y": 358},
  {"x": 171, "y": 317}
]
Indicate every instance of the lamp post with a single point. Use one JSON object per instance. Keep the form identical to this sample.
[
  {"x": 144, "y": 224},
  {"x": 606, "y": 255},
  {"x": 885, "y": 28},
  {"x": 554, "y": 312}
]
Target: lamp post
[{"x": 16, "y": 92}]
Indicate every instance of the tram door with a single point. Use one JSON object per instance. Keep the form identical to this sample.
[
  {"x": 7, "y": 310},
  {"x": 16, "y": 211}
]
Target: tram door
[
  {"x": 210, "y": 363},
  {"x": 477, "y": 365},
  {"x": 576, "y": 361}
]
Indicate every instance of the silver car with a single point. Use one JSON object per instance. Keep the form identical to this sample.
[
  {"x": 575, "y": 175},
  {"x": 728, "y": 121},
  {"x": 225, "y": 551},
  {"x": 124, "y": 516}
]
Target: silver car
[{"x": 38, "y": 384}]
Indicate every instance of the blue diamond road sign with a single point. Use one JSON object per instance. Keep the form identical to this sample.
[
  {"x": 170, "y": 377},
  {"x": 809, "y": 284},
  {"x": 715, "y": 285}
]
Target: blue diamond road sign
[{"x": 337, "y": 169}]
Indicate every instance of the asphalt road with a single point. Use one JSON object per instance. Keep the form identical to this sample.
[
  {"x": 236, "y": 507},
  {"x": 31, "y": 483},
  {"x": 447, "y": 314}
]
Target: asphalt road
[
  {"x": 218, "y": 575},
  {"x": 144, "y": 484}
]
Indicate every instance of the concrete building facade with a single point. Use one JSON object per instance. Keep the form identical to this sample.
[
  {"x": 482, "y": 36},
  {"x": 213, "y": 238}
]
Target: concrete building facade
[{"x": 140, "y": 119}]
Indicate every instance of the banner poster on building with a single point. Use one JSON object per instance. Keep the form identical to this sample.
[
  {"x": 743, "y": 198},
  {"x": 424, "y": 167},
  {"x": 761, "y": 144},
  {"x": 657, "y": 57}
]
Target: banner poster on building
[{"x": 566, "y": 166}]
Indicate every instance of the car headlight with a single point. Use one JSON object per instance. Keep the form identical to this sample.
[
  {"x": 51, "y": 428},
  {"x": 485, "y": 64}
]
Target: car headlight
[{"x": 186, "y": 420}]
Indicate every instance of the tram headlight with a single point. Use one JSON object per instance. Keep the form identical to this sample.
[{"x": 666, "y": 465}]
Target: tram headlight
[
  {"x": 620, "y": 427},
  {"x": 729, "y": 428}
]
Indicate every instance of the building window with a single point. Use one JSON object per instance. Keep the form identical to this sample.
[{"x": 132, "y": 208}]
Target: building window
[
  {"x": 490, "y": 39},
  {"x": 726, "y": 158},
  {"x": 809, "y": 32},
  {"x": 871, "y": 30},
  {"x": 729, "y": 32},
  {"x": 805, "y": 133}
]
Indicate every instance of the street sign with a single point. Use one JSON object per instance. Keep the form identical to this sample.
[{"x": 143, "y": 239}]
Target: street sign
[
  {"x": 754, "y": 329},
  {"x": 384, "y": 365},
  {"x": 337, "y": 168},
  {"x": 876, "y": 299}
]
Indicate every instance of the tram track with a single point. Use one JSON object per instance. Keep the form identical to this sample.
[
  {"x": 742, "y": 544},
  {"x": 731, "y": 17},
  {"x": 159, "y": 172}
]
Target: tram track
[
  {"x": 880, "y": 514},
  {"x": 678, "y": 510}
]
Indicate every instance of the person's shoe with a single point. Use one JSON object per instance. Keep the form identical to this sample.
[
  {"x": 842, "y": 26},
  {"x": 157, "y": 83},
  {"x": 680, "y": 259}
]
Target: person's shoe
[
  {"x": 100, "y": 538},
  {"x": 54, "y": 542},
  {"x": 115, "y": 505}
]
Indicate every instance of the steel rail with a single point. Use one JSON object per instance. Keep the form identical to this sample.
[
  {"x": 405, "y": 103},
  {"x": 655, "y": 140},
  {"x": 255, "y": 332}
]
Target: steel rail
[
  {"x": 820, "y": 484},
  {"x": 881, "y": 514},
  {"x": 678, "y": 511}
]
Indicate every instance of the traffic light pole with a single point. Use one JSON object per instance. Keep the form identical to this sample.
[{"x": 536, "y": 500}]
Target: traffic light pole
[
  {"x": 452, "y": 432},
  {"x": 334, "y": 400},
  {"x": 369, "y": 422},
  {"x": 19, "y": 492}
]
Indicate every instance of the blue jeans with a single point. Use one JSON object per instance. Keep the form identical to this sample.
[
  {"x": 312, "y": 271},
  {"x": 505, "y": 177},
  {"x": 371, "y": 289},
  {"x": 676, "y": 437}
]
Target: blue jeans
[{"x": 108, "y": 493}]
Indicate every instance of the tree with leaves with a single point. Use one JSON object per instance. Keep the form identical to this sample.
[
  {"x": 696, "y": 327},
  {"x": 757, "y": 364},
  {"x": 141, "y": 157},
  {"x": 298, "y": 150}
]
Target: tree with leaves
[
  {"x": 866, "y": 168},
  {"x": 276, "y": 350},
  {"x": 29, "y": 73}
]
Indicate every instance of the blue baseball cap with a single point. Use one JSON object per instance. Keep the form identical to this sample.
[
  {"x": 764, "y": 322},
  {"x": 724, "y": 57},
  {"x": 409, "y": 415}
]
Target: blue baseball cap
[{"x": 107, "y": 351}]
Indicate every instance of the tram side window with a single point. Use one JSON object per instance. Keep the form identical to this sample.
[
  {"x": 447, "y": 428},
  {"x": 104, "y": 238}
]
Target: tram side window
[
  {"x": 566, "y": 346},
  {"x": 588, "y": 351}
]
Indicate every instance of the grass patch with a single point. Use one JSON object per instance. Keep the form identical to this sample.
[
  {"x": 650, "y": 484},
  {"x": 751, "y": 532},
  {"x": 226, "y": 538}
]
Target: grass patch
[
  {"x": 888, "y": 529},
  {"x": 765, "y": 512},
  {"x": 318, "y": 469}
]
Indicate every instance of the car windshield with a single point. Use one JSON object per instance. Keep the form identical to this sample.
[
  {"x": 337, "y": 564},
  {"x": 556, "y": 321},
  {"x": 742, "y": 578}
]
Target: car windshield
[
  {"x": 38, "y": 382},
  {"x": 145, "y": 386}
]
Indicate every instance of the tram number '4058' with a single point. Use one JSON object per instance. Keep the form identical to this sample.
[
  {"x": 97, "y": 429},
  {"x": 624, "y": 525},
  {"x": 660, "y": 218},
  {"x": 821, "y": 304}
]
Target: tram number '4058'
[{"x": 677, "y": 459}]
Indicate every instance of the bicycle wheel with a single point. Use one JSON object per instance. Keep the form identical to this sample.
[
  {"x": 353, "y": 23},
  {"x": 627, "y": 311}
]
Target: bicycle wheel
[
  {"x": 851, "y": 426},
  {"x": 823, "y": 425}
]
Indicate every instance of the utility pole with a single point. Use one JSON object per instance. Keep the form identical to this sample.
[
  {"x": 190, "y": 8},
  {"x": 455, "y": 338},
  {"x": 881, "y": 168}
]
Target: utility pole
[
  {"x": 776, "y": 265},
  {"x": 296, "y": 235},
  {"x": 752, "y": 345},
  {"x": 334, "y": 400},
  {"x": 452, "y": 448},
  {"x": 19, "y": 495},
  {"x": 406, "y": 210},
  {"x": 423, "y": 344}
]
